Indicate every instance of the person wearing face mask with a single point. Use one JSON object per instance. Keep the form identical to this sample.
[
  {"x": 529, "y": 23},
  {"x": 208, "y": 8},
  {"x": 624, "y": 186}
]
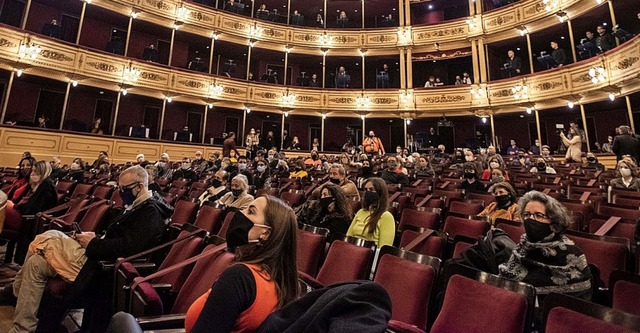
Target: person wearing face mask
[
  {"x": 213, "y": 163},
  {"x": 237, "y": 198},
  {"x": 76, "y": 170},
  {"x": 545, "y": 258},
  {"x": 593, "y": 163},
  {"x": 366, "y": 172},
  {"x": 195, "y": 164},
  {"x": 313, "y": 161},
  {"x": 471, "y": 182},
  {"x": 628, "y": 171},
  {"x": 300, "y": 170},
  {"x": 372, "y": 144},
  {"x": 164, "y": 167},
  {"x": 39, "y": 195},
  {"x": 262, "y": 177},
  {"x": 423, "y": 168},
  {"x": 152, "y": 171},
  {"x": 542, "y": 167},
  {"x": 505, "y": 206},
  {"x": 573, "y": 142},
  {"x": 281, "y": 169},
  {"x": 492, "y": 153},
  {"x": 141, "y": 160},
  {"x": 393, "y": 173},
  {"x": 137, "y": 228},
  {"x": 185, "y": 171},
  {"x": 493, "y": 164},
  {"x": 57, "y": 172},
  {"x": 470, "y": 158},
  {"x": 373, "y": 222},
  {"x": 522, "y": 160},
  {"x": 217, "y": 189},
  {"x": 103, "y": 158},
  {"x": 338, "y": 176},
  {"x": 332, "y": 210}
]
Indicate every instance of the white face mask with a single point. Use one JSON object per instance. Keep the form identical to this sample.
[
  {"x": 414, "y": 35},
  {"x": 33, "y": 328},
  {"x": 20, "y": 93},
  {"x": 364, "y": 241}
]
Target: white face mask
[
  {"x": 625, "y": 172},
  {"x": 468, "y": 158},
  {"x": 162, "y": 165},
  {"x": 261, "y": 168},
  {"x": 185, "y": 165},
  {"x": 494, "y": 165},
  {"x": 75, "y": 166},
  {"x": 242, "y": 166}
]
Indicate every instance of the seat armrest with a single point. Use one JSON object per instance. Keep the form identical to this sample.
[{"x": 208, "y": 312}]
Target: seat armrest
[
  {"x": 162, "y": 322},
  {"x": 108, "y": 265},
  {"x": 309, "y": 280}
]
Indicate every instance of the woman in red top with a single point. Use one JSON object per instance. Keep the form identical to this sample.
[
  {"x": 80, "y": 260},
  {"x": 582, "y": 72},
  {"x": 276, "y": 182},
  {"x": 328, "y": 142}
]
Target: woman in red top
[{"x": 264, "y": 278}]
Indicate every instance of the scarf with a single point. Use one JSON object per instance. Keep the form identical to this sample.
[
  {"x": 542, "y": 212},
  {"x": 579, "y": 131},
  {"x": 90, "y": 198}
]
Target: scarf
[{"x": 554, "y": 266}]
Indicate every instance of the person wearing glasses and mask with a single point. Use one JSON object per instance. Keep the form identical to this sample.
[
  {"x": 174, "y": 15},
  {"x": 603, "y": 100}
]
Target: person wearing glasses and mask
[
  {"x": 237, "y": 198},
  {"x": 373, "y": 222},
  {"x": 217, "y": 189},
  {"x": 136, "y": 229},
  {"x": 505, "y": 206},
  {"x": 185, "y": 171},
  {"x": 545, "y": 257},
  {"x": 628, "y": 179}
]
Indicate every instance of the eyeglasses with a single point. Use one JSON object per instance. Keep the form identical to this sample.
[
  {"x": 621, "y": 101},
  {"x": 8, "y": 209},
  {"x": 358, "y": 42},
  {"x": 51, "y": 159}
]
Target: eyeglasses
[
  {"x": 130, "y": 186},
  {"x": 536, "y": 216}
]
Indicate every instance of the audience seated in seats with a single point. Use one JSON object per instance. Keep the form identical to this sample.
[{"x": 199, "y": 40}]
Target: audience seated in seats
[
  {"x": 313, "y": 161},
  {"x": 545, "y": 257},
  {"x": 423, "y": 168},
  {"x": 338, "y": 176},
  {"x": 626, "y": 144},
  {"x": 199, "y": 160},
  {"x": 505, "y": 206},
  {"x": 262, "y": 176},
  {"x": 431, "y": 82},
  {"x": 332, "y": 210},
  {"x": 513, "y": 148},
  {"x": 237, "y": 198},
  {"x": 546, "y": 154},
  {"x": 300, "y": 170},
  {"x": 164, "y": 167},
  {"x": 493, "y": 163},
  {"x": 628, "y": 179},
  {"x": 153, "y": 186},
  {"x": 542, "y": 167},
  {"x": 347, "y": 164},
  {"x": 57, "y": 171},
  {"x": 593, "y": 163},
  {"x": 138, "y": 228},
  {"x": 185, "y": 171},
  {"x": 39, "y": 195},
  {"x": 522, "y": 160},
  {"x": 373, "y": 222},
  {"x": 393, "y": 173},
  {"x": 604, "y": 41},
  {"x": 573, "y": 142},
  {"x": 141, "y": 160},
  {"x": 3, "y": 208},
  {"x": 281, "y": 170},
  {"x": 76, "y": 170},
  {"x": 471, "y": 183},
  {"x": 366, "y": 172},
  {"x": 217, "y": 189},
  {"x": 491, "y": 152},
  {"x": 20, "y": 186},
  {"x": 213, "y": 163},
  {"x": 535, "y": 148},
  {"x": 243, "y": 169},
  {"x": 103, "y": 158},
  {"x": 470, "y": 158}
]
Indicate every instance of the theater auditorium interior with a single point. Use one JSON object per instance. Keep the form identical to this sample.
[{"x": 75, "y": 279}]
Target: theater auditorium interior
[{"x": 319, "y": 165}]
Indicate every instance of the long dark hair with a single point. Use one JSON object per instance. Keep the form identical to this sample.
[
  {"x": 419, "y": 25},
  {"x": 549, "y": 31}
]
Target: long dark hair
[
  {"x": 32, "y": 162},
  {"x": 277, "y": 254},
  {"x": 341, "y": 203},
  {"x": 383, "y": 196}
]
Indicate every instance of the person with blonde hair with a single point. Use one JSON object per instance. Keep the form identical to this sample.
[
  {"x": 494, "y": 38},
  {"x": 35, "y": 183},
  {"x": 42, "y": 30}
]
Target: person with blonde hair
[
  {"x": 238, "y": 197},
  {"x": 573, "y": 142}
]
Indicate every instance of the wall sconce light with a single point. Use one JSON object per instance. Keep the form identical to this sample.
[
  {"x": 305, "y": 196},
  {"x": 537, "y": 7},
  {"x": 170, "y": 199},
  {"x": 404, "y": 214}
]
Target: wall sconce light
[
  {"x": 362, "y": 102},
  {"x": 286, "y": 114},
  {"x": 523, "y": 30},
  {"x": 215, "y": 35},
  {"x": 596, "y": 74},
  {"x": 363, "y": 52},
  {"x": 133, "y": 14},
  {"x": 124, "y": 91},
  {"x": 477, "y": 92},
  {"x": 130, "y": 73},
  {"x": 288, "y": 99},
  {"x": 182, "y": 13},
  {"x": 288, "y": 49},
  {"x": 362, "y": 117},
  {"x": 252, "y": 42},
  {"x": 562, "y": 15},
  {"x": 215, "y": 90},
  {"x": 408, "y": 121},
  {"x": 324, "y": 116},
  {"x": 570, "y": 105},
  {"x": 74, "y": 83},
  {"x": 168, "y": 99},
  {"x": 18, "y": 72},
  {"x": 472, "y": 22},
  {"x": 30, "y": 50},
  {"x": 248, "y": 110},
  {"x": 324, "y": 39},
  {"x": 612, "y": 96},
  {"x": 550, "y": 5},
  {"x": 255, "y": 30},
  {"x": 520, "y": 91}
]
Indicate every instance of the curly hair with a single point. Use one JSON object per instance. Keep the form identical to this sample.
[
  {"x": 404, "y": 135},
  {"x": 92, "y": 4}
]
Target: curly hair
[{"x": 558, "y": 215}]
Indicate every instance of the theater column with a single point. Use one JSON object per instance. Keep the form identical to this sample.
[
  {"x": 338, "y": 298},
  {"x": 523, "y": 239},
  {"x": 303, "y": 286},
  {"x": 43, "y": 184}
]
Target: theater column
[
  {"x": 164, "y": 109},
  {"x": 400, "y": 13},
  {"x": 493, "y": 131},
  {"x": 362, "y": 1},
  {"x": 213, "y": 44},
  {"x": 538, "y": 127},
  {"x": 407, "y": 11},
  {"x": 363, "y": 125},
  {"x": 482, "y": 60},
  {"x": 572, "y": 41},
  {"x": 474, "y": 60},
  {"x": 84, "y": 9},
  {"x": 630, "y": 111},
  {"x": 5, "y": 102},
  {"x": 363, "y": 70},
  {"x": 405, "y": 132},
  {"x": 65, "y": 104},
  {"x": 324, "y": 65},
  {"x": 115, "y": 114},
  {"x": 27, "y": 7},
  {"x": 324, "y": 116},
  {"x": 173, "y": 38},
  {"x": 613, "y": 19},
  {"x": 530, "y": 53},
  {"x": 288, "y": 13},
  {"x": 325, "y": 16},
  {"x": 286, "y": 64},
  {"x": 409, "y": 69},
  {"x": 204, "y": 124},
  {"x": 403, "y": 74},
  {"x": 244, "y": 122},
  {"x": 584, "y": 126},
  {"x": 284, "y": 115},
  {"x": 126, "y": 44},
  {"x": 249, "y": 60}
]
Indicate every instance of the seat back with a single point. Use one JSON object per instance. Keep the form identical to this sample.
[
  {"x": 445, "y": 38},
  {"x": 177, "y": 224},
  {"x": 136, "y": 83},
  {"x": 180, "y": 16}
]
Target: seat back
[
  {"x": 184, "y": 212},
  {"x": 103, "y": 191},
  {"x": 607, "y": 253},
  {"x": 94, "y": 217},
  {"x": 514, "y": 229},
  {"x": 472, "y": 306},
  {"x": 624, "y": 229},
  {"x": 73, "y": 214},
  {"x": 203, "y": 275},
  {"x": 294, "y": 199},
  {"x": 455, "y": 226},
  {"x": 179, "y": 252},
  {"x": 310, "y": 248},
  {"x": 225, "y": 225},
  {"x": 82, "y": 190},
  {"x": 418, "y": 219},
  {"x": 345, "y": 262},
  {"x": 409, "y": 285},
  {"x": 465, "y": 208},
  {"x": 116, "y": 199},
  {"x": 625, "y": 297},
  {"x": 432, "y": 246},
  {"x": 208, "y": 218},
  {"x": 625, "y": 213}
]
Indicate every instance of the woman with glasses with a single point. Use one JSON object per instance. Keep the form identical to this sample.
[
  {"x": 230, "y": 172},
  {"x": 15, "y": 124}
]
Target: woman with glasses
[
  {"x": 373, "y": 222},
  {"x": 545, "y": 257},
  {"x": 505, "y": 206}
]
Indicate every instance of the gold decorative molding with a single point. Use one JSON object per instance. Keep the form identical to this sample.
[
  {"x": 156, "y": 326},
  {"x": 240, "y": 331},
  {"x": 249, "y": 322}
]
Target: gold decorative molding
[
  {"x": 56, "y": 56},
  {"x": 104, "y": 67}
]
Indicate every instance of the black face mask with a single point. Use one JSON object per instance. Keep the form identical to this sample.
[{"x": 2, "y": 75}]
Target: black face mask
[
  {"x": 366, "y": 170},
  {"x": 314, "y": 157},
  {"x": 236, "y": 193},
  {"x": 536, "y": 231},
  {"x": 542, "y": 166},
  {"x": 334, "y": 180},
  {"x": 591, "y": 159},
  {"x": 325, "y": 202},
  {"x": 127, "y": 196},
  {"x": 370, "y": 198},
  {"x": 238, "y": 232},
  {"x": 503, "y": 200},
  {"x": 216, "y": 183},
  {"x": 469, "y": 175}
]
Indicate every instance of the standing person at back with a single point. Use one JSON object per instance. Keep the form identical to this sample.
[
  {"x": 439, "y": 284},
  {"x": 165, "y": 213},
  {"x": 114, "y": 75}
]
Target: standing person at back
[
  {"x": 372, "y": 144},
  {"x": 229, "y": 144},
  {"x": 625, "y": 144}
]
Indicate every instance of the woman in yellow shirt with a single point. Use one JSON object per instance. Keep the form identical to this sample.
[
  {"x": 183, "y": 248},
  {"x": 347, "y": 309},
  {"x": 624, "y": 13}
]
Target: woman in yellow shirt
[{"x": 373, "y": 222}]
